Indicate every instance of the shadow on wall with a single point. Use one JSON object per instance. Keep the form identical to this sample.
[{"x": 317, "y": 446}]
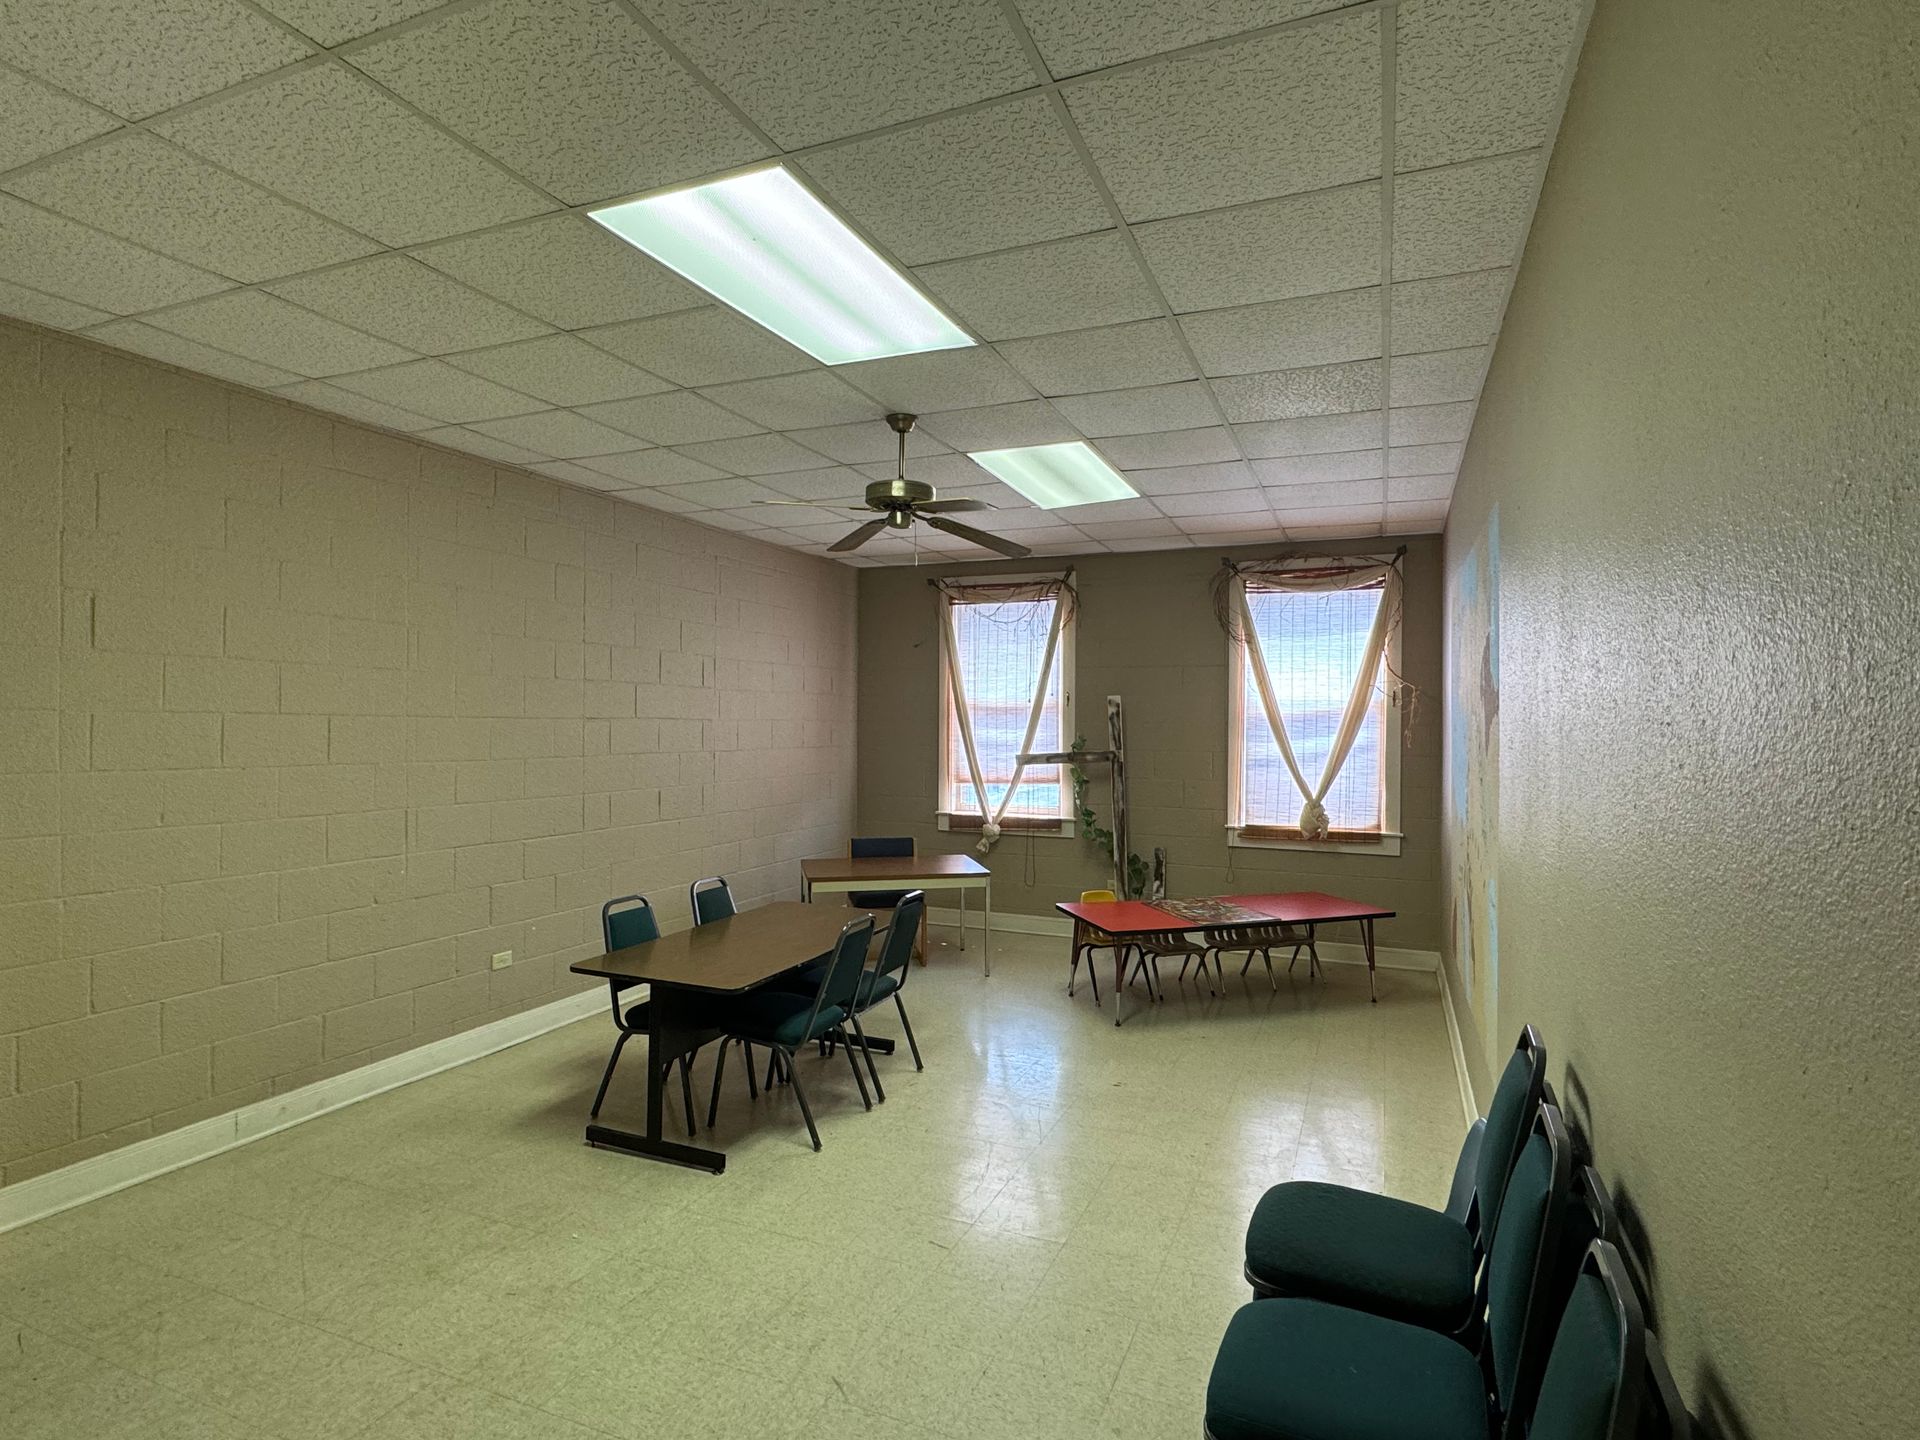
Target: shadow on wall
[{"x": 1714, "y": 1415}]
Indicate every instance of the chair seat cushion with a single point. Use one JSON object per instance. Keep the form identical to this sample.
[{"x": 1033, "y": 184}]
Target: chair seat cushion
[
  {"x": 779, "y": 1017},
  {"x": 875, "y": 988},
  {"x": 1369, "y": 1252},
  {"x": 1304, "y": 1370},
  {"x": 640, "y": 1016}
]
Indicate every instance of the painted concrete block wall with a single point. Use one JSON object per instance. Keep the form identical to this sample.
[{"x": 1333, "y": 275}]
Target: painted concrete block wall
[
  {"x": 1702, "y": 434},
  {"x": 300, "y": 722},
  {"x": 1146, "y": 632}
]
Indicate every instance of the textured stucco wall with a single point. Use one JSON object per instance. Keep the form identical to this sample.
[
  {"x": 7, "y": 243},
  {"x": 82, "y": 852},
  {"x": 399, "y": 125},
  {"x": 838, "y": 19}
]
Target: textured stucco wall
[
  {"x": 1146, "y": 632},
  {"x": 1700, "y": 432},
  {"x": 300, "y": 722}
]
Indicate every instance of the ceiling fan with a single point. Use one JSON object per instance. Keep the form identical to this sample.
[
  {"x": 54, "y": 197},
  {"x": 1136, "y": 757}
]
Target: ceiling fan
[{"x": 901, "y": 501}]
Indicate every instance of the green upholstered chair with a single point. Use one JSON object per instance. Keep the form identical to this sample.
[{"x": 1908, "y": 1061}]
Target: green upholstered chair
[
  {"x": 711, "y": 899},
  {"x": 888, "y": 977},
  {"x": 884, "y": 847},
  {"x": 784, "y": 1021},
  {"x": 1312, "y": 1240},
  {"x": 620, "y": 927},
  {"x": 1294, "y": 1369}
]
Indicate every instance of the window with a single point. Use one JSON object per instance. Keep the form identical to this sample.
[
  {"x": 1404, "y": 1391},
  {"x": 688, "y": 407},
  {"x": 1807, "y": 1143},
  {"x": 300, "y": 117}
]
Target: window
[
  {"x": 1314, "y": 640},
  {"x": 996, "y": 637}
]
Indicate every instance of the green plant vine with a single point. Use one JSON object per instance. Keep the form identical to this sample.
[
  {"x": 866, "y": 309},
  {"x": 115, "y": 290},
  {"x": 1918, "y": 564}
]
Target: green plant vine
[{"x": 1090, "y": 827}]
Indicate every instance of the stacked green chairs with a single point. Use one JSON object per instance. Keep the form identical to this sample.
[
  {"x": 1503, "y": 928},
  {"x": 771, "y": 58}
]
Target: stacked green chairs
[
  {"x": 620, "y": 928},
  {"x": 784, "y": 1020},
  {"x": 1353, "y": 1248},
  {"x": 710, "y": 899}
]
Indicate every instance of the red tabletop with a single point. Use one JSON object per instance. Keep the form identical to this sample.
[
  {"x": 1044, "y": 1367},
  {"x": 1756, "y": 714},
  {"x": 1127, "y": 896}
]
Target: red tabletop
[{"x": 1300, "y": 907}]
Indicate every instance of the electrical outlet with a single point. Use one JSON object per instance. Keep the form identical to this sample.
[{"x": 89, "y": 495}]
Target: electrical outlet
[{"x": 502, "y": 959}]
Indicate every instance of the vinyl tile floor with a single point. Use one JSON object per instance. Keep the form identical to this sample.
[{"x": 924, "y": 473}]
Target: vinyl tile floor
[{"x": 1039, "y": 1235}]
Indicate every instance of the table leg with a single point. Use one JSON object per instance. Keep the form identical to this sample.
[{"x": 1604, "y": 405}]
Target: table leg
[
  {"x": 1366, "y": 939},
  {"x": 1119, "y": 981},
  {"x": 962, "y": 893},
  {"x": 986, "y": 926},
  {"x": 669, "y": 1036}
]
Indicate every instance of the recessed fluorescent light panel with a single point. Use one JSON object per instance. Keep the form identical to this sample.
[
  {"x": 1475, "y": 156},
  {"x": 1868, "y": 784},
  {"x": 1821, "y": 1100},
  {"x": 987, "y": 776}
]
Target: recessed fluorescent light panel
[
  {"x": 1054, "y": 476},
  {"x": 762, "y": 243}
]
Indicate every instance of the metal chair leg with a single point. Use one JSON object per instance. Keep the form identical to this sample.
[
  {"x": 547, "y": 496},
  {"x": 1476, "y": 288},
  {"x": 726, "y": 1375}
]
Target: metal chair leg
[
  {"x": 746, "y": 1051},
  {"x": 612, "y": 1060},
  {"x": 686, "y": 1091},
  {"x": 907, "y": 1025},
  {"x": 853, "y": 1063},
  {"x": 1093, "y": 976},
  {"x": 719, "y": 1069},
  {"x": 1267, "y": 956},
  {"x": 879, "y": 1091},
  {"x": 1248, "y": 965},
  {"x": 792, "y": 1073}
]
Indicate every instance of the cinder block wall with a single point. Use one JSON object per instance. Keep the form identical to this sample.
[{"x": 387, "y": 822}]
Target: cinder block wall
[{"x": 300, "y": 722}]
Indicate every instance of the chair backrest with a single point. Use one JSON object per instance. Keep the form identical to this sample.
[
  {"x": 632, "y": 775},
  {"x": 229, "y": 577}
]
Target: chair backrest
[
  {"x": 1592, "y": 1385},
  {"x": 1509, "y": 1119},
  {"x": 896, "y": 951},
  {"x": 880, "y": 847},
  {"x": 1520, "y": 1264},
  {"x": 635, "y": 926},
  {"x": 1096, "y": 897},
  {"x": 1460, "y": 1196},
  {"x": 711, "y": 899},
  {"x": 840, "y": 981}
]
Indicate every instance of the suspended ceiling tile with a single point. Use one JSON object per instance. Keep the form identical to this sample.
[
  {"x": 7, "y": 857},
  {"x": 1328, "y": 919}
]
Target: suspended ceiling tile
[
  {"x": 1425, "y": 459},
  {"x": 575, "y": 473},
  {"x": 1179, "y": 447},
  {"x": 677, "y": 417},
  {"x": 1437, "y": 377},
  {"x": 560, "y": 369},
  {"x": 943, "y": 472},
  {"x": 322, "y": 396},
  {"x": 459, "y": 437},
  {"x": 868, "y": 440},
  {"x": 1184, "y": 406},
  {"x": 1291, "y": 394},
  {"x": 571, "y": 94},
  {"x": 1419, "y": 487},
  {"x": 1463, "y": 217},
  {"x": 756, "y": 455},
  {"x": 74, "y": 261},
  {"x": 145, "y": 190},
  {"x": 708, "y": 346},
  {"x": 1417, "y": 517},
  {"x": 1314, "y": 435},
  {"x": 327, "y": 137},
  {"x": 44, "y": 309},
  {"x": 1191, "y": 479},
  {"x": 988, "y": 179},
  {"x": 1313, "y": 469},
  {"x": 266, "y": 328},
  {"x": 808, "y": 400},
  {"x": 1221, "y": 502},
  {"x": 1068, "y": 284},
  {"x": 1178, "y": 135},
  {"x": 188, "y": 354},
  {"x": 1478, "y": 77},
  {"x": 1289, "y": 500},
  {"x": 37, "y": 120},
  {"x": 815, "y": 72},
  {"x": 736, "y": 520},
  {"x": 1107, "y": 531},
  {"x": 1112, "y": 512},
  {"x": 1357, "y": 522},
  {"x": 1145, "y": 352},
  {"x": 654, "y": 467},
  {"x": 137, "y": 57},
  {"x": 1450, "y": 312},
  {"x": 565, "y": 269},
  {"x": 1001, "y": 427},
  {"x": 728, "y": 494},
  {"x": 1174, "y": 541},
  {"x": 1233, "y": 528},
  {"x": 938, "y": 380},
  {"x": 1012, "y": 513},
  {"x": 1075, "y": 36},
  {"x": 1300, "y": 245},
  {"x": 332, "y": 22},
  {"x": 433, "y": 387},
  {"x": 820, "y": 532},
  {"x": 399, "y": 299},
  {"x": 661, "y": 500},
  {"x": 559, "y": 433},
  {"x": 1287, "y": 334},
  {"x": 1430, "y": 424},
  {"x": 839, "y": 485}
]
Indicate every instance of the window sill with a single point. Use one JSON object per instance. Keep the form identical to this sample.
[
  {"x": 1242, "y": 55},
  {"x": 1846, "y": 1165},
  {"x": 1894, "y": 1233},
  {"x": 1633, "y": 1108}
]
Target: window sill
[
  {"x": 1012, "y": 825},
  {"x": 1388, "y": 843}
]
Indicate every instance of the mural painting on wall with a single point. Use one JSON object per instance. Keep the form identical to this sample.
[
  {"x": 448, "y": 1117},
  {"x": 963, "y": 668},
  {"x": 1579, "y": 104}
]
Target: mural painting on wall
[{"x": 1473, "y": 772}]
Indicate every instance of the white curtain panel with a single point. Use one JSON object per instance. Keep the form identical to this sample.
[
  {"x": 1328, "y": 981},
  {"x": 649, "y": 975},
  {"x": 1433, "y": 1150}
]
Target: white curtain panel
[{"x": 1313, "y": 813}]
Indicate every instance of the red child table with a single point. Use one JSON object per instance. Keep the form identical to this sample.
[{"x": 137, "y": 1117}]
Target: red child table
[{"x": 1133, "y": 919}]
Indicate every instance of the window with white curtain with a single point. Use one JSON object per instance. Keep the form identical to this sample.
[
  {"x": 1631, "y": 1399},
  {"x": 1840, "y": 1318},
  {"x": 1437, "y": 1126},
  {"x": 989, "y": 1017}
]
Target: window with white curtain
[
  {"x": 998, "y": 636},
  {"x": 1314, "y": 643}
]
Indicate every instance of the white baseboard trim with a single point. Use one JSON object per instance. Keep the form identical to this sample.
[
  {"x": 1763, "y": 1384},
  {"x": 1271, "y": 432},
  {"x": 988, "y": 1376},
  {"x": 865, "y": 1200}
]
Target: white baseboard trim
[
  {"x": 1459, "y": 1048},
  {"x": 1385, "y": 957},
  {"x": 117, "y": 1169}
]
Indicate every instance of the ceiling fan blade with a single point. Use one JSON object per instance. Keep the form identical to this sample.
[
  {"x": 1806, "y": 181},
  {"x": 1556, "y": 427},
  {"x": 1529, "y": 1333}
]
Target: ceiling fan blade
[
  {"x": 979, "y": 537},
  {"x": 951, "y": 507},
  {"x": 857, "y": 538}
]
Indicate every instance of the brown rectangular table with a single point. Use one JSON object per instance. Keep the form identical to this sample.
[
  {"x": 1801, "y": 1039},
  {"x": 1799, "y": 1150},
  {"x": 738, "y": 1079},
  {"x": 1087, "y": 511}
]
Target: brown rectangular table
[
  {"x": 1133, "y": 919},
  {"x": 840, "y": 874},
  {"x": 722, "y": 957}
]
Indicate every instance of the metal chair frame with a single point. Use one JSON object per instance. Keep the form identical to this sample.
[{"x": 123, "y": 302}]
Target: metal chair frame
[
  {"x": 627, "y": 1031},
  {"x": 887, "y": 962},
  {"x": 709, "y": 882}
]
